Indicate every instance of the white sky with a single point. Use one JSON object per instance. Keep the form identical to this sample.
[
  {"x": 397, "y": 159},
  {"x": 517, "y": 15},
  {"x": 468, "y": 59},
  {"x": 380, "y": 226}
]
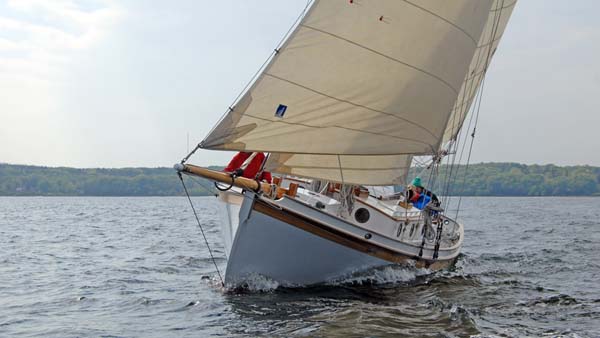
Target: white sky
[{"x": 121, "y": 83}]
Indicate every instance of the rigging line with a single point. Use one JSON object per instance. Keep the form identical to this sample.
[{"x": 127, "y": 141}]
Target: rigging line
[
  {"x": 464, "y": 142},
  {"x": 343, "y": 201},
  {"x": 340, "y": 166},
  {"x": 472, "y": 88},
  {"x": 454, "y": 150},
  {"x": 208, "y": 188},
  {"x": 270, "y": 58},
  {"x": 494, "y": 29},
  {"x": 449, "y": 169},
  {"x": 448, "y": 172},
  {"x": 470, "y": 148},
  {"x": 466, "y": 169},
  {"x": 201, "y": 230},
  {"x": 453, "y": 166},
  {"x": 446, "y": 184},
  {"x": 438, "y": 234},
  {"x": 476, "y": 93},
  {"x": 462, "y": 130},
  {"x": 470, "y": 82},
  {"x": 475, "y": 73},
  {"x": 494, "y": 32},
  {"x": 187, "y": 157},
  {"x": 421, "y": 215},
  {"x": 505, "y": 7}
]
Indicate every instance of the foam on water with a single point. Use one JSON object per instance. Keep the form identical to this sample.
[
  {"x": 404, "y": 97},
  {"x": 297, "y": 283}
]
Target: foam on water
[
  {"x": 383, "y": 275},
  {"x": 255, "y": 283},
  {"x": 391, "y": 274}
]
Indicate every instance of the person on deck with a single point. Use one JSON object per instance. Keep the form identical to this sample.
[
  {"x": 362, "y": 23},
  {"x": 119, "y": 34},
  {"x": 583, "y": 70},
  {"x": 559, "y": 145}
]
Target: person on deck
[
  {"x": 248, "y": 165},
  {"x": 419, "y": 196}
]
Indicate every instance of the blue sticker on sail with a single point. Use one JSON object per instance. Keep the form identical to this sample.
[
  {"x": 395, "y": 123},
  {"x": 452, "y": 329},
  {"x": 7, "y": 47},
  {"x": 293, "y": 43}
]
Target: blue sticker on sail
[{"x": 280, "y": 110}]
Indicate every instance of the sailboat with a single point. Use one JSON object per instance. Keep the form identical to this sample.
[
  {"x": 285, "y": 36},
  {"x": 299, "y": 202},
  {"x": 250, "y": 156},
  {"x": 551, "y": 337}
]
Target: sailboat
[{"x": 356, "y": 93}]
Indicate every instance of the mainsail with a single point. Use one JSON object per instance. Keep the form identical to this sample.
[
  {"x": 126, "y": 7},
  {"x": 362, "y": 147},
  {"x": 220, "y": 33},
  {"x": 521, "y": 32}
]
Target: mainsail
[{"x": 358, "y": 88}]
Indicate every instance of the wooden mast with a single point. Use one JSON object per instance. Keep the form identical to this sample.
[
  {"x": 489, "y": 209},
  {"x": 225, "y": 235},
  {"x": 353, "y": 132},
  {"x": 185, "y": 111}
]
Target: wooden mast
[{"x": 219, "y": 176}]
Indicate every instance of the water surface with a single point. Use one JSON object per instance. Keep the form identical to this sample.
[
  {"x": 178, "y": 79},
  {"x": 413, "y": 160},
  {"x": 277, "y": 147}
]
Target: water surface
[{"x": 138, "y": 267}]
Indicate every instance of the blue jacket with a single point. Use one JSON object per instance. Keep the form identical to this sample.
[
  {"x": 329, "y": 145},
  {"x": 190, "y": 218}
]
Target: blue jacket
[{"x": 422, "y": 201}]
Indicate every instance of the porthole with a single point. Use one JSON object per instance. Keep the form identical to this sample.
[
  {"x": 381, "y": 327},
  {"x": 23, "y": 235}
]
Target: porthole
[{"x": 362, "y": 215}]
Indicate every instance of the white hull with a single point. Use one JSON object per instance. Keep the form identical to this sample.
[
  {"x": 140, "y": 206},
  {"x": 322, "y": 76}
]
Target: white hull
[{"x": 295, "y": 244}]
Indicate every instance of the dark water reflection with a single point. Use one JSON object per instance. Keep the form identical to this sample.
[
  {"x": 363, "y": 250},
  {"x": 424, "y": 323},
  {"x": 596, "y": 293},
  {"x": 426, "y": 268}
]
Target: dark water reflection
[{"x": 137, "y": 267}]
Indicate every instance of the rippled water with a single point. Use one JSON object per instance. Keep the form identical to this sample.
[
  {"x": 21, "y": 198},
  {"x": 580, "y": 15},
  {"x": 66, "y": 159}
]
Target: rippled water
[{"x": 137, "y": 267}]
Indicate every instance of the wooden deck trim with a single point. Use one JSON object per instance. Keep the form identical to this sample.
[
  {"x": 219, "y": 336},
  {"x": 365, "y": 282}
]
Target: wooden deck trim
[{"x": 296, "y": 180}]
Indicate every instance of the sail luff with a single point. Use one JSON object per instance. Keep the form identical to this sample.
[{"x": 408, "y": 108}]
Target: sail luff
[
  {"x": 238, "y": 101},
  {"x": 490, "y": 39}
]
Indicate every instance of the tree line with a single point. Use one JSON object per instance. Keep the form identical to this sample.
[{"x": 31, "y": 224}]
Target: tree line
[
  {"x": 514, "y": 179},
  {"x": 485, "y": 179},
  {"x": 22, "y": 180}
]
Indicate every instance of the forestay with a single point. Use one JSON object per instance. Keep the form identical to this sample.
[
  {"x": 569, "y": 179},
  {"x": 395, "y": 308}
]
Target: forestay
[
  {"x": 358, "y": 79},
  {"x": 488, "y": 43}
]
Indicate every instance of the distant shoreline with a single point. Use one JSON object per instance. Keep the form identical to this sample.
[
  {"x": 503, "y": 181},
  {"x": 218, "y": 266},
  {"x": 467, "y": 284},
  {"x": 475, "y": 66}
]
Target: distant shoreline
[
  {"x": 183, "y": 196},
  {"x": 481, "y": 180}
]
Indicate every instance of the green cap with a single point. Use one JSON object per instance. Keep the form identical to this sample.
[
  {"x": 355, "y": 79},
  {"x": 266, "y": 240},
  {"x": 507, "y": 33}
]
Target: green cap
[{"x": 417, "y": 182}]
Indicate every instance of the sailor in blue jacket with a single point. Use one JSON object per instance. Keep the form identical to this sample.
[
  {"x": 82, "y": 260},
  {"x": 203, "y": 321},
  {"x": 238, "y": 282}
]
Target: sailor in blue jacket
[{"x": 419, "y": 196}]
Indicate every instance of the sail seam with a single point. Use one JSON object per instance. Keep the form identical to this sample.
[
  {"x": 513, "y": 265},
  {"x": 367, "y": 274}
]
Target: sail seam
[
  {"x": 504, "y": 7},
  {"x": 491, "y": 42},
  {"x": 341, "y": 127},
  {"x": 353, "y": 103},
  {"x": 443, "y": 19},
  {"x": 448, "y": 84}
]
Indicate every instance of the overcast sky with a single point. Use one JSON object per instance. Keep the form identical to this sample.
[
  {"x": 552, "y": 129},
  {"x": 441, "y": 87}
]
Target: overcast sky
[{"x": 122, "y": 83}]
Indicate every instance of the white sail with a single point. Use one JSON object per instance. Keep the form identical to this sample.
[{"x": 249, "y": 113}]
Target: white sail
[
  {"x": 367, "y": 170},
  {"x": 359, "y": 78},
  {"x": 488, "y": 43},
  {"x": 376, "y": 77}
]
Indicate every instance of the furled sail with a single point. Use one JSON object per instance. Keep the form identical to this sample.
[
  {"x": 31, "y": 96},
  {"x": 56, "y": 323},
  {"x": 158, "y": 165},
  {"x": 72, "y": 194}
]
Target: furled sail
[
  {"x": 488, "y": 43},
  {"x": 374, "y": 82}
]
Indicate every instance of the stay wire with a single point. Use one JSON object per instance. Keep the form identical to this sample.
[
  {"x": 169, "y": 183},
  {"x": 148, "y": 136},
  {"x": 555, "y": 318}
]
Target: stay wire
[
  {"x": 451, "y": 180},
  {"x": 201, "y": 230},
  {"x": 430, "y": 182},
  {"x": 265, "y": 64},
  {"x": 487, "y": 63},
  {"x": 209, "y": 188}
]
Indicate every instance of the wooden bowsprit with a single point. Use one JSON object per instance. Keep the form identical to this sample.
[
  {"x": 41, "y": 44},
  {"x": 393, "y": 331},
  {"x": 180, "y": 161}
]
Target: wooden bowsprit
[{"x": 226, "y": 178}]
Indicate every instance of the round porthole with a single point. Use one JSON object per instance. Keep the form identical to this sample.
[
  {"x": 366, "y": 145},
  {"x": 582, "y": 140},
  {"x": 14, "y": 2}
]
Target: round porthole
[{"x": 362, "y": 215}]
